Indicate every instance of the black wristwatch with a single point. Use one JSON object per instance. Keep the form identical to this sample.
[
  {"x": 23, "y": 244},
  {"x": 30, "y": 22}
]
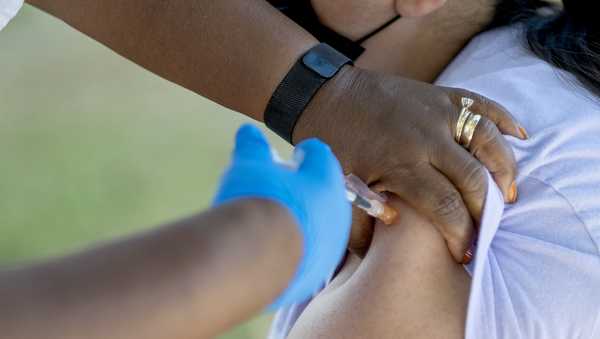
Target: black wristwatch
[{"x": 299, "y": 86}]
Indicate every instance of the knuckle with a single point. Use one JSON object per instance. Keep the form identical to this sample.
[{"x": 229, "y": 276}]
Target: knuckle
[
  {"x": 508, "y": 171},
  {"x": 489, "y": 128},
  {"x": 456, "y": 227},
  {"x": 513, "y": 169},
  {"x": 474, "y": 177},
  {"x": 487, "y": 132},
  {"x": 485, "y": 102},
  {"x": 449, "y": 207},
  {"x": 481, "y": 100},
  {"x": 509, "y": 165},
  {"x": 497, "y": 108}
]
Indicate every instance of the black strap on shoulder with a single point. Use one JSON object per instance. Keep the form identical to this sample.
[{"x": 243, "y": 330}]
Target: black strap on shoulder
[
  {"x": 302, "y": 13},
  {"x": 381, "y": 28}
]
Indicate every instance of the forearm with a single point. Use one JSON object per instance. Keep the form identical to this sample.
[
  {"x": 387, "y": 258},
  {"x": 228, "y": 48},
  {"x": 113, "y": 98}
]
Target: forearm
[
  {"x": 192, "y": 279},
  {"x": 234, "y": 52}
]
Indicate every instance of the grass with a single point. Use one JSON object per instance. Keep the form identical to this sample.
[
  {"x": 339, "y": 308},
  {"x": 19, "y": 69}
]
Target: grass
[{"x": 94, "y": 147}]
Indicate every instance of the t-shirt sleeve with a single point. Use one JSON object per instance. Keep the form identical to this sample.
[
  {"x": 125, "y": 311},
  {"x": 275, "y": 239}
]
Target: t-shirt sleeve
[
  {"x": 535, "y": 272},
  {"x": 490, "y": 222},
  {"x": 8, "y": 10}
]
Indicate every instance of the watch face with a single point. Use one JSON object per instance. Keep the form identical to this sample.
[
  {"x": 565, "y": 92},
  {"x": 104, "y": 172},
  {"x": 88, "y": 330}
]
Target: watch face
[
  {"x": 324, "y": 60},
  {"x": 319, "y": 65}
]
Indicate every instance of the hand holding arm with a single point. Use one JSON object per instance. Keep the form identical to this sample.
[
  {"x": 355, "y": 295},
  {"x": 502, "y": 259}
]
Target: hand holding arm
[
  {"x": 398, "y": 135},
  {"x": 388, "y": 130}
]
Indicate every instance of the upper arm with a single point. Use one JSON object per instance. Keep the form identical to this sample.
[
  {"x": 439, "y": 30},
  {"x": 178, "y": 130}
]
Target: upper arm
[{"x": 407, "y": 286}]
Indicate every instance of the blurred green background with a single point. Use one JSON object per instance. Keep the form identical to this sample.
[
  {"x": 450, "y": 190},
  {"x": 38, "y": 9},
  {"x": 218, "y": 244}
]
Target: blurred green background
[{"x": 93, "y": 147}]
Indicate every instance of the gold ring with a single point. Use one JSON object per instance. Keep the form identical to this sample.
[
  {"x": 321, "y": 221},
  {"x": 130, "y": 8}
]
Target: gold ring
[
  {"x": 470, "y": 127},
  {"x": 462, "y": 117}
]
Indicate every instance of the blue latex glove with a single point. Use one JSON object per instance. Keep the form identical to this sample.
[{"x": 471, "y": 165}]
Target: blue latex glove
[{"x": 314, "y": 193}]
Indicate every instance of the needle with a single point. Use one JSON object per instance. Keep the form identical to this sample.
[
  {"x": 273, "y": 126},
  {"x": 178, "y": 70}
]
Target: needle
[{"x": 361, "y": 196}]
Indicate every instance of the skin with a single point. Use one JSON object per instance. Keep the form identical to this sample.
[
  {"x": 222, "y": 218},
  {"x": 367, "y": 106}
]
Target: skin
[
  {"x": 356, "y": 18},
  {"x": 445, "y": 178},
  {"x": 229, "y": 52},
  {"x": 410, "y": 48},
  {"x": 407, "y": 286},
  {"x": 406, "y": 47},
  {"x": 133, "y": 289},
  {"x": 186, "y": 280}
]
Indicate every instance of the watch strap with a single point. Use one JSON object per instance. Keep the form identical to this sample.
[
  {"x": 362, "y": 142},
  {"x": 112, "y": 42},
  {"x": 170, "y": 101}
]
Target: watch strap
[{"x": 299, "y": 86}]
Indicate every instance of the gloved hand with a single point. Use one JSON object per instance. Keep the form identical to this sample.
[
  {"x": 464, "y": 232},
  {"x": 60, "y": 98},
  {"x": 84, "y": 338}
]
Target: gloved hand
[{"x": 314, "y": 193}]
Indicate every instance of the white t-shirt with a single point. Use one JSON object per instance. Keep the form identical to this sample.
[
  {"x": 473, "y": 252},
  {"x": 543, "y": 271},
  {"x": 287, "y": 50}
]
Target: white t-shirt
[
  {"x": 8, "y": 10},
  {"x": 536, "y": 271}
]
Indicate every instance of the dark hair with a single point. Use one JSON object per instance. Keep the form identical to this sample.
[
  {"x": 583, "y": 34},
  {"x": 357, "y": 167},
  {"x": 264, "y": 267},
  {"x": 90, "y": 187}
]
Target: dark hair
[{"x": 567, "y": 36}]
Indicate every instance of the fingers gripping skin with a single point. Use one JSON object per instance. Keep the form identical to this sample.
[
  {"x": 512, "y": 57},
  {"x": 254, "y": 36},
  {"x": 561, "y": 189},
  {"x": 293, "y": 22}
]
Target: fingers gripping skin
[
  {"x": 467, "y": 173},
  {"x": 492, "y": 110},
  {"x": 398, "y": 134},
  {"x": 506, "y": 123},
  {"x": 426, "y": 189},
  {"x": 489, "y": 145},
  {"x": 494, "y": 151}
]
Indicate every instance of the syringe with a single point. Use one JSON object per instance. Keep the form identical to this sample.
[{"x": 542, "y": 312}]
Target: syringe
[
  {"x": 357, "y": 192},
  {"x": 361, "y": 196}
]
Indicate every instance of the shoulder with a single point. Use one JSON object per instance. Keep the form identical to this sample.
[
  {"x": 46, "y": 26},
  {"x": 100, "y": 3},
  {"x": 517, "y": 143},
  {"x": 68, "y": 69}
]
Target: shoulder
[
  {"x": 542, "y": 258},
  {"x": 544, "y": 254},
  {"x": 486, "y": 53},
  {"x": 562, "y": 117}
]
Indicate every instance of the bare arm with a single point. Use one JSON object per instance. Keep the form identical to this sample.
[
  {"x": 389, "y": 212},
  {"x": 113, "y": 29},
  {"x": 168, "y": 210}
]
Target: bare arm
[
  {"x": 234, "y": 52},
  {"x": 192, "y": 279},
  {"x": 407, "y": 286}
]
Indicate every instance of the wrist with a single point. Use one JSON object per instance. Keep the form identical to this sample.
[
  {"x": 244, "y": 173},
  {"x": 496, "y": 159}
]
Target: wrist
[
  {"x": 312, "y": 122},
  {"x": 315, "y": 69},
  {"x": 327, "y": 110},
  {"x": 267, "y": 211},
  {"x": 280, "y": 228}
]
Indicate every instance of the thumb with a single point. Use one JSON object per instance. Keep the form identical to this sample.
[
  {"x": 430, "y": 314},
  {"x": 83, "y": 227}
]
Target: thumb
[
  {"x": 251, "y": 144},
  {"x": 316, "y": 159}
]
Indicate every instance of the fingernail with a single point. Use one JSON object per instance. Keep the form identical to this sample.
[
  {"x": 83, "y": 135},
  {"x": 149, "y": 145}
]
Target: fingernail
[
  {"x": 524, "y": 134},
  {"x": 468, "y": 257},
  {"x": 513, "y": 193}
]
